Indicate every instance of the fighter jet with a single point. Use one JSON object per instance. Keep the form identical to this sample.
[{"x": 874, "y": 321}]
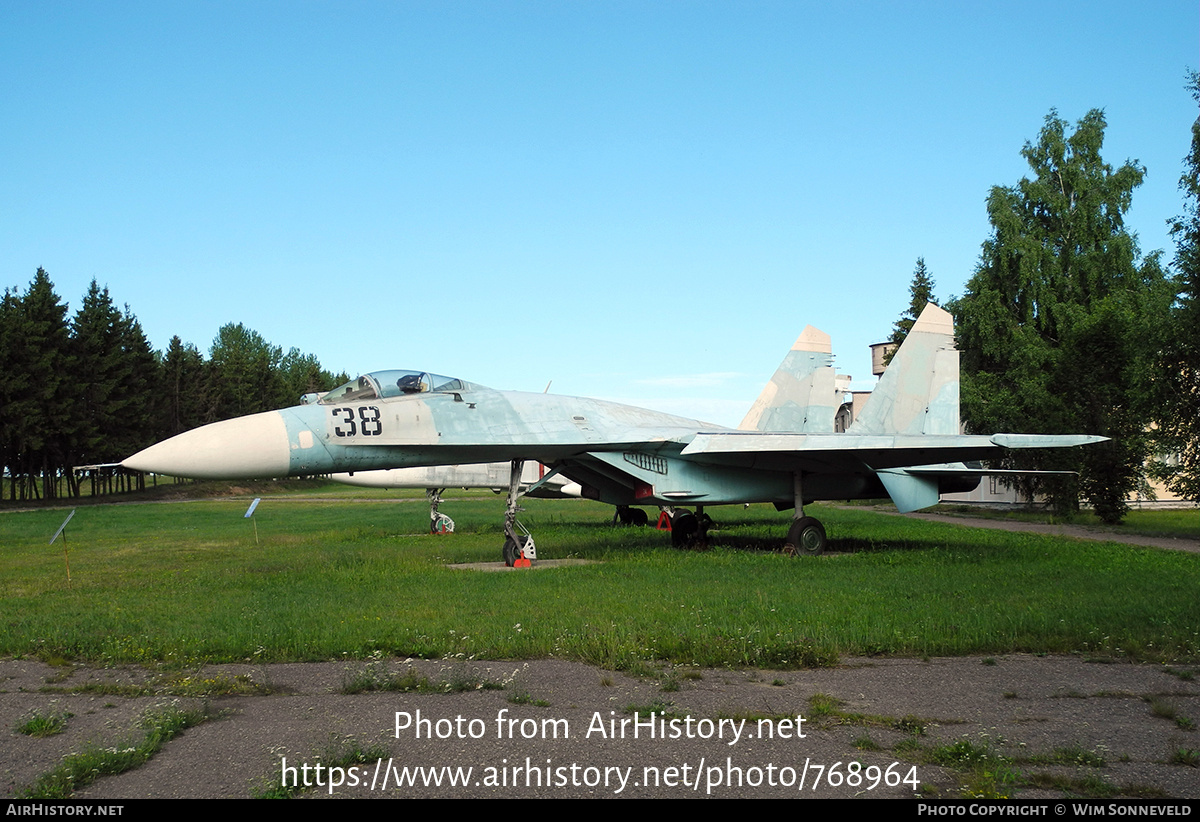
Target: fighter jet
[
  {"x": 435, "y": 479},
  {"x": 905, "y": 445}
]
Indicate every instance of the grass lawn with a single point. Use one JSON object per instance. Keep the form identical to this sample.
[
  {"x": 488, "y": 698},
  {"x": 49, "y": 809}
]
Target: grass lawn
[{"x": 352, "y": 571}]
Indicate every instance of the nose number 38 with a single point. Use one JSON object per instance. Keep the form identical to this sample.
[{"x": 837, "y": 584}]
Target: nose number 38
[{"x": 363, "y": 421}]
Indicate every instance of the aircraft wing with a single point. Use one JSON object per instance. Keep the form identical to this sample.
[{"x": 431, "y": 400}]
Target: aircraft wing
[
  {"x": 730, "y": 467},
  {"x": 912, "y": 468},
  {"x": 838, "y": 452}
]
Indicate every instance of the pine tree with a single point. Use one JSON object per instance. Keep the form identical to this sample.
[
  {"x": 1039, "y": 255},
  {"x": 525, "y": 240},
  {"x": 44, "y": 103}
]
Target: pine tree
[
  {"x": 40, "y": 408},
  {"x": 920, "y": 294},
  {"x": 139, "y": 388},
  {"x": 13, "y": 382},
  {"x": 115, "y": 374},
  {"x": 183, "y": 389},
  {"x": 98, "y": 366}
]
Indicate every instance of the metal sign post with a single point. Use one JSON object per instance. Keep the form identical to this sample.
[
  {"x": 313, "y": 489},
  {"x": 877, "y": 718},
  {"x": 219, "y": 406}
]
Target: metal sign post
[
  {"x": 62, "y": 529},
  {"x": 250, "y": 516}
]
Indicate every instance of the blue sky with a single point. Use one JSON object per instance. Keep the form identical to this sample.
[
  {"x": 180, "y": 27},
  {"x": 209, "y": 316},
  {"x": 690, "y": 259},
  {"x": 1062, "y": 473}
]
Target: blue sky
[{"x": 640, "y": 201}]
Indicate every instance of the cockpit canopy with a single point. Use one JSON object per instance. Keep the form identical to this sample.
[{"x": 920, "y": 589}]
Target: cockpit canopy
[{"x": 383, "y": 384}]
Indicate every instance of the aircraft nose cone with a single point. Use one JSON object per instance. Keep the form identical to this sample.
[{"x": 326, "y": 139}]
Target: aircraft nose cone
[{"x": 244, "y": 448}]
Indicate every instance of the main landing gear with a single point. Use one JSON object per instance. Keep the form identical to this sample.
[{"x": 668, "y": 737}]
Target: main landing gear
[
  {"x": 519, "y": 550},
  {"x": 628, "y": 515},
  {"x": 807, "y": 535},
  {"x": 690, "y": 531}
]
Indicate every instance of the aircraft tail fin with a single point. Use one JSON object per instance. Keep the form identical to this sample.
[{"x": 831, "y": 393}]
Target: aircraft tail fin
[
  {"x": 918, "y": 393},
  {"x": 802, "y": 395}
]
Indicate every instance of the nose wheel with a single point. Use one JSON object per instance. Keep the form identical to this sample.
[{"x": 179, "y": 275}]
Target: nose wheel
[
  {"x": 439, "y": 523},
  {"x": 519, "y": 553}
]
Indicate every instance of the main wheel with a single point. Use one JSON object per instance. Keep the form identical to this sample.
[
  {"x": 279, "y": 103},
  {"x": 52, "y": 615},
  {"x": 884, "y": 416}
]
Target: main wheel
[
  {"x": 807, "y": 536},
  {"x": 625, "y": 515},
  {"x": 638, "y": 517},
  {"x": 512, "y": 550},
  {"x": 684, "y": 529}
]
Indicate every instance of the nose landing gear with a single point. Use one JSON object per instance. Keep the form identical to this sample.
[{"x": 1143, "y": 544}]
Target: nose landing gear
[{"x": 519, "y": 550}]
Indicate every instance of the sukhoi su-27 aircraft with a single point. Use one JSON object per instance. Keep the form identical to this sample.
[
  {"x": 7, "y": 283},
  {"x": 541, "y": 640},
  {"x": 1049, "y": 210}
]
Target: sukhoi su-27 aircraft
[{"x": 905, "y": 444}]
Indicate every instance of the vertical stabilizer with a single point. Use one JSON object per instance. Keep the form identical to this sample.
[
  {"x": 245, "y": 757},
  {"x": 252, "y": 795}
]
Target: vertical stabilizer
[
  {"x": 802, "y": 396},
  {"x": 918, "y": 393}
]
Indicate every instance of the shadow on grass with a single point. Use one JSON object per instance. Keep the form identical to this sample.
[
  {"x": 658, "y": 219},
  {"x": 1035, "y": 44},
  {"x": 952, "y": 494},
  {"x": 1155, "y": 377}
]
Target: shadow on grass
[
  {"x": 859, "y": 545},
  {"x": 837, "y": 545}
]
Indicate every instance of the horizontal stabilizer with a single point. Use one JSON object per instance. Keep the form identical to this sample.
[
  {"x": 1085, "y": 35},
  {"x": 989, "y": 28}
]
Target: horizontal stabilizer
[
  {"x": 920, "y": 486},
  {"x": 908, "y": 491}
]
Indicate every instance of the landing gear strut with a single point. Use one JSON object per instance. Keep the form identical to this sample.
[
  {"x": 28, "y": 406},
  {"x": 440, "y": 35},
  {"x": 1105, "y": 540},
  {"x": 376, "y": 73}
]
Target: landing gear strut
[
  {"x": 519, "y": 550},
  {"x": 807, "y": 535}
]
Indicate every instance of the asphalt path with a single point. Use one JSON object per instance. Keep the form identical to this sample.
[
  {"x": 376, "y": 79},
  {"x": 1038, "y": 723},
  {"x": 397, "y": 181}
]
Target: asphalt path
[
  {"x": 1099, "y": 533},
  {"x": 564, "y": 729}
]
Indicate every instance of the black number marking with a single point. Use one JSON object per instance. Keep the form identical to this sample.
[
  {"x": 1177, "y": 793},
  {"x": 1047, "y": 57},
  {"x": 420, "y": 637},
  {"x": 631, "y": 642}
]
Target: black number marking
[
  {"x": 349, "y": 421},
  {"x": 369, "y": 422},
  {"x": 368, "y": 415}
]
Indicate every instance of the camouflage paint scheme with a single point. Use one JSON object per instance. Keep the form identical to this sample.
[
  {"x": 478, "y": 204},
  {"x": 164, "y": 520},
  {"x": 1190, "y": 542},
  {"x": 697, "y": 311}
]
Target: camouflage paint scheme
[{"x": 905, "y": 444}]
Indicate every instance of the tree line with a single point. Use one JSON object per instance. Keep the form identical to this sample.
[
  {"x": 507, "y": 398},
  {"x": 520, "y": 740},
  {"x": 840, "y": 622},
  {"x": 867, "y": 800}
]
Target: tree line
[
  {"x": 90, "y": 390},
  {"x": 1066, "y": 327}
]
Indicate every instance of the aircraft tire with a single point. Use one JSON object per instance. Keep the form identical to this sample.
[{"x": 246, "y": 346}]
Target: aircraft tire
[
  {"x": 512, "y": 550},
  {"x": 684, "y": 529},
  {"x": 627, "y": 515},
  {"x": 806, "y": 537}
]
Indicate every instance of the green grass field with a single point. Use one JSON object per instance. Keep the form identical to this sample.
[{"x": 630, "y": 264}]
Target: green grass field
[{"x": 353, "y": 573}]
